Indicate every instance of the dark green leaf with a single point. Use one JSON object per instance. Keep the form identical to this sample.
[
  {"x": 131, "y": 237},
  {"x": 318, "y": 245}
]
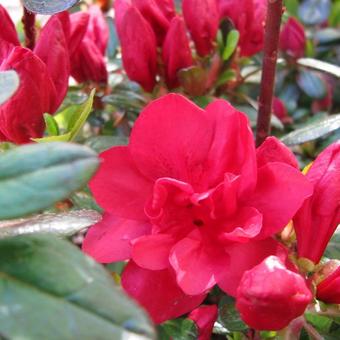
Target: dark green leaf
[
  {"x": 313, "y": 131},
  {"x": 35, "y": 176},
  {"x": 333, "y": 247},
  {"x": 229, "y": 317},
  {"x": 102, "y": 143},
  {"x": 314, "y": 12},
  {"x": 50, "y": 290},
  {"x": 48, "y": 6},
  {"x": 64, "y": 224},
  {"x": 312, "y": 84},
  {"x": 179, "y": 329},
  {"x": 9, "y": 83}
]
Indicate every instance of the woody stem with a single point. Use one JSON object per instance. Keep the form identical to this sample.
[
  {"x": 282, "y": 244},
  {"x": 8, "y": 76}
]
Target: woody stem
[
  {"x": 271, "y": 45},
  {"x": 28, "y": 21}
]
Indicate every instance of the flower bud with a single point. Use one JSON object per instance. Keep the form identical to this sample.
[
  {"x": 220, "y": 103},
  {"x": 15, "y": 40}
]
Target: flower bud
[
  {"x": 270, "y": 296},
  {"x": 202, "y": 19},
  {"x": 176, "y": 51},
  {"x": 293, "y": 39},
  {"x": 204, "y": 317},
  {"x": 328, "y": 290}
]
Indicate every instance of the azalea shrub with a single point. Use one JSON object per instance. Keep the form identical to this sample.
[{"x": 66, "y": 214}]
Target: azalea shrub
[{"x": 134, "y": 199}]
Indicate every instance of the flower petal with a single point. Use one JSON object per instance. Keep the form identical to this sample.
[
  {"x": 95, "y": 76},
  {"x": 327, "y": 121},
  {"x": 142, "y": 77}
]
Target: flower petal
[
  {"x": 279, "y": 193},
  {"x": 198, "y": 264},
  {"x": 152, "y": 251},
  {"x": 118, "y": 186},
  {"x": 244, "y": 256},
  {"x": 177, "y": 141},
  {"x": 204, "y": 317},
  {"x": 158, "y": 292},
  {"x": 110, "y": 239},
  {"x": 7, "y": 28}
]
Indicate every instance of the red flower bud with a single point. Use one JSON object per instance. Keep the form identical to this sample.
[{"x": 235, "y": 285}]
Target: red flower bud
[
  {"x": 293, "y": 39},
  {"x": 167, "y": 7},
  {"x": 202, "y": 19},
  {"x": 7, "y": 28},
  {"x": 280, "y": 111},
  {"x": 138, "y": 42},
  {"x": 176, "y": 51},
  {"x": 248, "y": 17},
  {"x": 329, "y": 289},
  {"x": 319, "y": 216},
  {"x": 204, "y": 317},
  {"x": 270, "y": 296}
]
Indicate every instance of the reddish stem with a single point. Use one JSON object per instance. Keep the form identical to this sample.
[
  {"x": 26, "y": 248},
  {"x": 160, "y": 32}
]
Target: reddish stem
[
  {"x": 271, "y": 45},
  {"x": 28, "y": 21}
]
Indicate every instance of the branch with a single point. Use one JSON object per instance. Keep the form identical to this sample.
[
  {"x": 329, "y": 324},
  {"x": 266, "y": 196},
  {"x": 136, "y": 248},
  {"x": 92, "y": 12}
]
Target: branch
[
  {"x": 271, "y": 45},
  {"x": 28, "y": 21}
]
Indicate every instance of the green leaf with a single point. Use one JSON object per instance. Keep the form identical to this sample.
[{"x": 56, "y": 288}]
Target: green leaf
[
  {"x": 179, "y": 329},
  {"x": 9, "y": 83},
  {"x": 333, "y": 247},
  {"x": 48, "y": 6},
  {"x": 292, "y": 6},
  {"x": 50, "y": 290},
  {"x": 74, "y": 118},
  {"x": 102, "y": 143},
  {"x": 193, "y": 79},
  {"x": 63, "y": 224},
  {"x": 51, "y": 125},
  {"x": 35, "y": 176},
  {"x": 229, "y": 317},
  {"x": 225, "y": 77},
  {"x": 319, "y": 65},
  {"x": 231, "y": 44},
  {"x": 313, "y": 131},
  {"x": 312, "y": 84}
]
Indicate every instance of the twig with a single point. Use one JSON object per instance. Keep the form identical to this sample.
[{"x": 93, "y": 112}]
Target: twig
[
  {"x": 271, "y": 44},
  {"x": 28, "y": 21}
]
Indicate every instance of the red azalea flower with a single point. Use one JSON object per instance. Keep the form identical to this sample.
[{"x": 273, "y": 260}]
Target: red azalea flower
[
  {"x": 139, "y": 51},
  {"x": 248, "y": 17},
  {"x": 176, "y": 51},
  {"x": 270, "y": 296},
  {"x": 328, "y": 290},
  {"x": 204, "y": 317},
  {"x": 187, "y": 201},
  {"x": 43, "y": 77},
  {"x": 319, "y": 216},
  {"x": 202, "y": 19},
  {"x": 280, "y": 111},
  {"x": 293, "y": 39}
]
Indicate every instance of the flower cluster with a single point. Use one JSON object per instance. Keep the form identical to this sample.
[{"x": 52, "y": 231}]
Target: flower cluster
[
  {"x": 159, "y": 26},
  {"x": 192, "y": 204},
  {"x": 79, "y": 42}
]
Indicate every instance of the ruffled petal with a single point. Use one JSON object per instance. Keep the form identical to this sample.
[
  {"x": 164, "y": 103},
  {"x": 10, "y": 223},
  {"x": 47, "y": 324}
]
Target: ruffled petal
[
  {"x": 177, "y": 142},
  {"x": 152, "y": 251},
  {"x": 110, "y": 239},
  {"x": 244, "y": 256},
  {"x": 119, "y": 187},
  {"x": 279, "y": 193},
  {"x": 158, "y": 292},
  {"x": 198, "y": 264}
]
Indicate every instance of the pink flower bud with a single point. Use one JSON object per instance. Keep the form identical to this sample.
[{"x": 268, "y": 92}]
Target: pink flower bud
[
  {"x": 293, "y": 39},
  {"x": 176, "y": 51},
  {"x": 319, "y": 216},
  {"x": 138, "y": 42},
  {"x": 329, "y": 289},
  {"x": 270, "y": 296},
  {"x": 204, "y": 317},
  {"x": 202, "y": 19}
]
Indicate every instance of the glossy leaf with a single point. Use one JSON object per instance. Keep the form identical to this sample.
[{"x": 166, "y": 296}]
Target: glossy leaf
[
  {"x": 76, "y": 118},
  {"x": 312, "y": 84},
  {"x": 9, "y": 83},
  {"x": 35, "y": 176},
  {"x": 333, "y": 247},
  {"x": 179, "y": 329},
  {"x": 48, "y": 6},
  {"x": 313, "y": 12},
  {"x": 59, "y": 293},
  {"x": 313, "y": 131},
  {"x": 63, "y": 224},
  {"x": 320, "y": 66},
  {"x": 102, "y": 143}
]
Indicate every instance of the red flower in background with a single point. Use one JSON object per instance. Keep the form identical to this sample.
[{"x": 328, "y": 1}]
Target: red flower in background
[
  {"x": 138, "y": 50},
  {"x": 176, "y": 51},
  {"x": 270, "y": 296},
  {"x": 280, "y": 111},
  {"x": 248, "y": 17},
  {"x": 204, "y": 318},
  {"x": 328, "y": 290},
  {"x": 202, "y": 19},
  {"x": 188, "y": 204},
  {"x": 293, "y": 39},
  {"x": 319, "y": 216},
  {"x": 43, "y": 77}
]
